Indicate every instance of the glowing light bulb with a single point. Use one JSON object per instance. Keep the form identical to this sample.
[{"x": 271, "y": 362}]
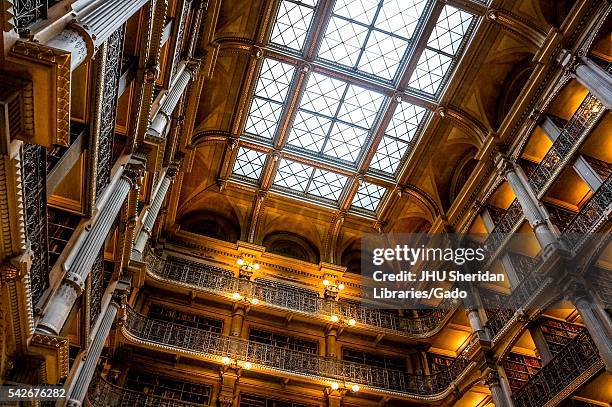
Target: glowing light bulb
[
  {"x": 355, "y": 388},
  {"x": 334, "y": 386},
  {"x": 225, "y": 360},
  {"x": 334, "y": 318},
  {"x": 236, "y": 296},
  {"x": 240, "y": 261},
  {"x": 256, "y": 266},
  {"x": 254, "y": 301},
  {"x": 326, "y": 282},
  {"x": 340, "y": 286},
  {"x": 247, "y": 365},
  {"x": 352, "y": 322}
]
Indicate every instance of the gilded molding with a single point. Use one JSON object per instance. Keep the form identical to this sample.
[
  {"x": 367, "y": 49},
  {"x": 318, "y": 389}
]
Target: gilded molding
[
  {"x": 59, "y": 62},
  {"x": 55, "y": 344}
]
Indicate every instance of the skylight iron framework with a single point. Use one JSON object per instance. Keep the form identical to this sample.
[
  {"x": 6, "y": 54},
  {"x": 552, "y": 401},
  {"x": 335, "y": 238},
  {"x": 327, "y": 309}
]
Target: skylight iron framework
[{"x": 341, "y": 112}]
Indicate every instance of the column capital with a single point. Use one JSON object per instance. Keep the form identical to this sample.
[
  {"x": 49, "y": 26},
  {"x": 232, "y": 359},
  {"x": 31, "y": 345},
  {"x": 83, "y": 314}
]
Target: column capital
[
  {"x": 16, "y": 267},
  {"x": 134, "y": 173},
  {"x": 491, "y": 377},
  {"x": 503, "y": 165}
]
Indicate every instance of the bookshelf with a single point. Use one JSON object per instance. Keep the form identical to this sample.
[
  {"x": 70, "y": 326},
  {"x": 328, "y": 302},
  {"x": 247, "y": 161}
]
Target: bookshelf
[
  {"x": 519, "y": 368},
  {"x": 162, "y": 313},
  {"x": 438, "y": 362},
  {"x": 61, "y": 226},
  {"x": 161, "y": 386},
  {"x": 373, "y": 359},
  {"x": 248, "y": 400},
  {"x": 283, "y": 341},
  {"x": 558, "y": 333}
]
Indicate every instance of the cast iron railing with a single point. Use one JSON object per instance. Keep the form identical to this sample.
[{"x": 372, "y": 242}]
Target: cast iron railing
[
  {"x": 521, "y": 295},
  {"x": 216, "y": 281},
  {"x": 569, "y": 364},
  {"x": 268, "y": 357},
  {"x": 588, "y": 113},
  {"x": 104, "y": 394},
  {"x": 588, "y": 219},
  {"x": 504, "y": 226}
]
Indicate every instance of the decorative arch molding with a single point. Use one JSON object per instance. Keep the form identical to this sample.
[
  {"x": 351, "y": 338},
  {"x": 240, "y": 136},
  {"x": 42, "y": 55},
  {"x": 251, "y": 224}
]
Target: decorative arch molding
[
  {"x": 211, "y": 224},
  {"x": 462, "y": 172},
  {"x": 473, "y": 127},
  {"x": 429, "y": 203},
  {"x": 523, "y": 28},
  {"x": 210, "y": 137},
  {"x": 291, "y": 245}
]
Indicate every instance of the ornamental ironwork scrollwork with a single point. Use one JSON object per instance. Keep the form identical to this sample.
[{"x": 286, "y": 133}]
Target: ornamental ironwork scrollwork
[
  {"x": 35, "y": 197},
  {"x": 590, "y": 216},
  {"x": 215, "y": 346},
  {"x": 222, "y": 282},
  {"x": 504, "y": 226},
  {"x": 588, "y": 113},
  {"x": 104, "y": 394},
  {"x": 571, "y": 362},
  {"x": 111, "y": 76},
  {"x": 27, "y": 12},
  {"x": 96, "y": 290}
]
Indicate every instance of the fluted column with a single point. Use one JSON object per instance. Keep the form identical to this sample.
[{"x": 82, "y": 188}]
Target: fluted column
[
  {"x": 501, "y": 398},
  {"x": 87, "y": 368},
  {"x": 158, "y": 127},
  {"x": 529, "y": 205},
  {"x": 85, "y": 254},
  {"x": 593, "y": 77},
  {"x": 330, "y": 342},
  {"x": 151, "y": 214},
  {"x": 597, "y": 323},
  {"x": 237, "y": 321},
  {"x": 93, "y": 25}
]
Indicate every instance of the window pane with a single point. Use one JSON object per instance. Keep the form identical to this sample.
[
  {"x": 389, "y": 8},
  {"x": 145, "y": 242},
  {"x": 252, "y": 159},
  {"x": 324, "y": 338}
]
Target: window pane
[
  {"x": 292, "y": 23},
  {"x": 249, "y": 163},
  {"x": 368, "y": 196}
]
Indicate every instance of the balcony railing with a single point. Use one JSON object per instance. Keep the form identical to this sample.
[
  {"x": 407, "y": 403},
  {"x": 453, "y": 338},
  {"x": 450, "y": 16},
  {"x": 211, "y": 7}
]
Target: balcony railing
[
  {"x": 104, "y": 394},
  {"x": 577, "y": 232},
  {"x": 579, "y": 359},
  {"x": 215, "y": 281},
  {"x": 208, "y": 345},
  {"x": 588, "y": 113},
  {"x": 504, "y": 226},
  {"x": 521, "y": 296}
]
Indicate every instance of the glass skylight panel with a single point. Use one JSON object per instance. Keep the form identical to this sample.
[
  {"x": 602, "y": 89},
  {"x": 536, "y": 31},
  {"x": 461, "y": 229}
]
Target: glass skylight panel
[
  {"x": 368, "y": 196},
  {"x": 292, "y": 23},
  {"x": 293, "y": 175},
  {"x": 308, "y": 180},
  {"x": 442, "y": 46},
  {"x": 371, "y": 35},
  {"x": 388, "y": 155},
  {"x": 327, "y": 184},
  {"x": 249, "y": 163},
  {"x": 430, "y": 71},
  {"x": 270, "y": 94},
  {"x": 334, "y": 118},
  {"x": 400, "y": 132},
  {"x": 450, "y": 30}
]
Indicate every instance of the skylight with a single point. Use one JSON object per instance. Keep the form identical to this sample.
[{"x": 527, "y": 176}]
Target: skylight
[
  {"x": 249, "y": 163},
  {"x": 334, "y": 118},
  {"x": 343, "y": 68},
  {"x": 368, "y": 196},
  {"x": 308, "y": 180},
  {"x": 371, "y": 36},
  {"x": 270, "y": 94}
]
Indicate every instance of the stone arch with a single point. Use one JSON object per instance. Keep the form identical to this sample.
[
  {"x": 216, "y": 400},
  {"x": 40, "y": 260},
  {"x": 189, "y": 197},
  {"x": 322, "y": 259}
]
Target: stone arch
[
  {"x": 212, "y": 224},
  {"x": 291, "y": 245}
]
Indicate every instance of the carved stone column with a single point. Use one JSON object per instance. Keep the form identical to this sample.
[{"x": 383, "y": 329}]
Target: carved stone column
[
  {"x": 158, "y": 127},
  {"x": 528, "y": 203},
  {"x": 589, "y": 74},
  {"x": 228, "y": 394},
  {"x": 500, "y": 397},
  {"x": 150, "y": 215},
  {"x": 237, "y": 321},
  {"x": 84, "y": 254},
  {"x": 330, "y": 342},
  {"x": 87, "y": 367},
  {"x": 597, "y": 322}
]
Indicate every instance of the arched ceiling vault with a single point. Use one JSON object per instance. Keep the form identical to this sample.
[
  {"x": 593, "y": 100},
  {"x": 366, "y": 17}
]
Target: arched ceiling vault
[{"x": 243, "y": 147}]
